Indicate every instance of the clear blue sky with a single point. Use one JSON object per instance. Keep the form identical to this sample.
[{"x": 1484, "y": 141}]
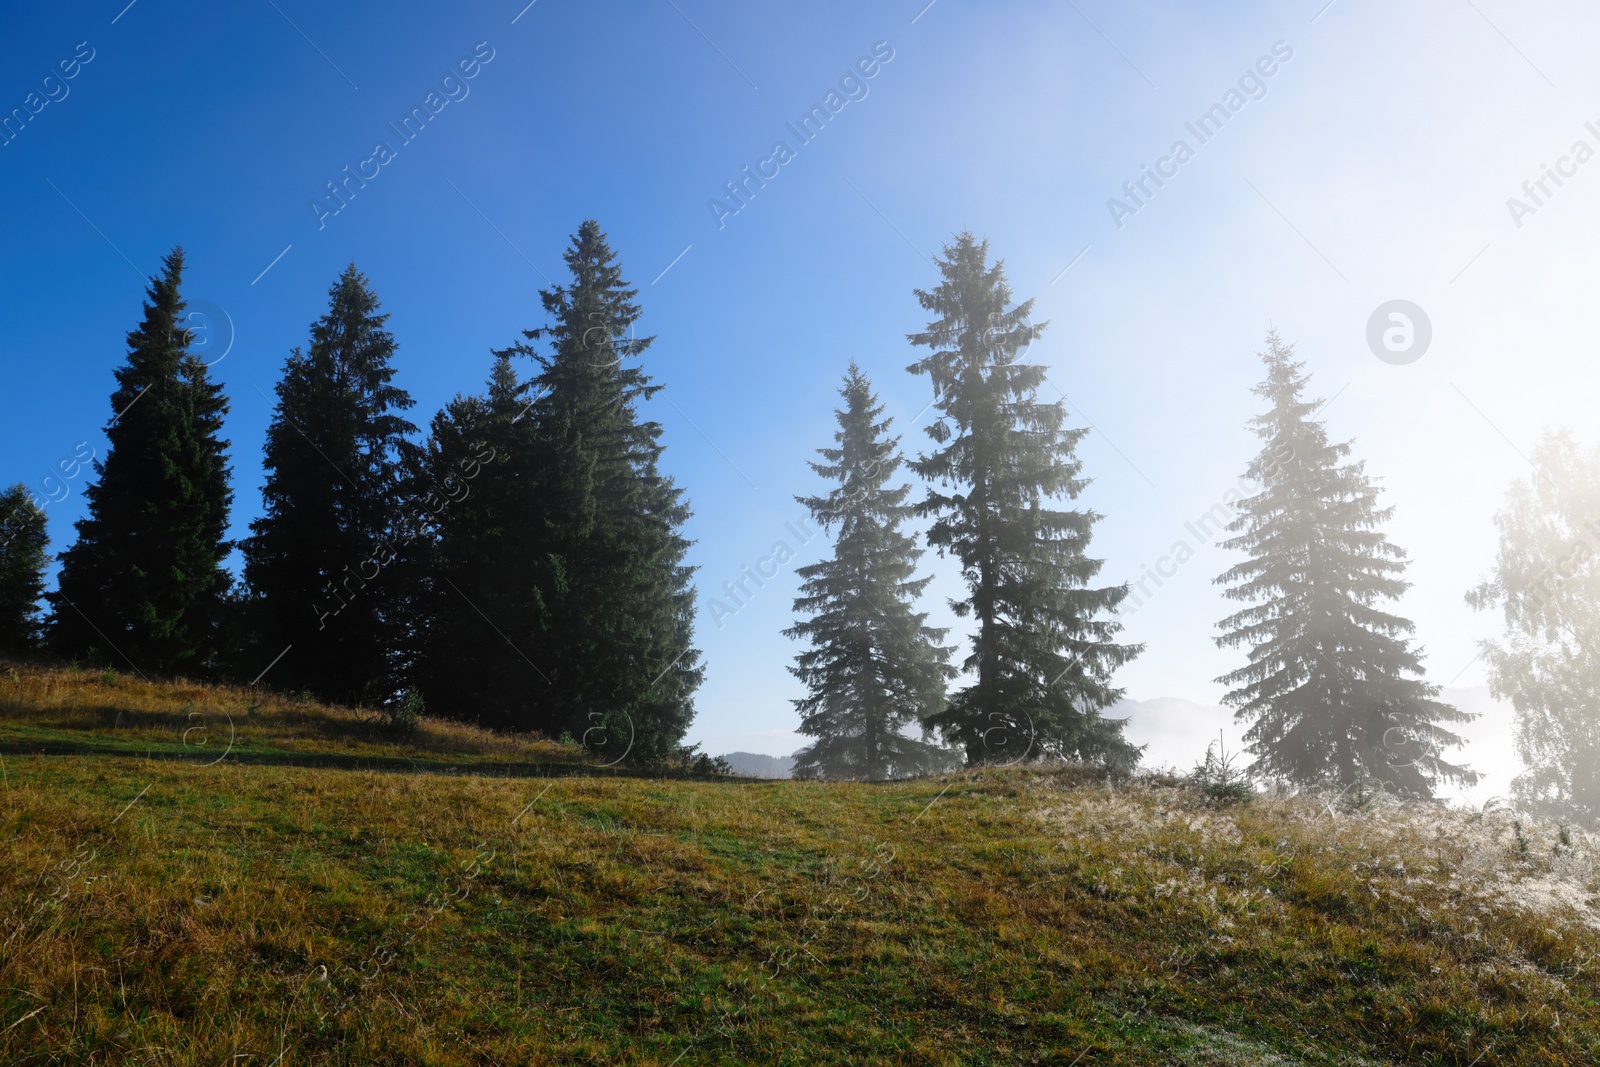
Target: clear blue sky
[{"x": 1372, "y": 165}]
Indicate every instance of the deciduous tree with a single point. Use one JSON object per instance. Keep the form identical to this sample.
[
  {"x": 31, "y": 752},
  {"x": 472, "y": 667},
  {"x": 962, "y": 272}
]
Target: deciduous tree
[{"x": 1546, "y": 581}]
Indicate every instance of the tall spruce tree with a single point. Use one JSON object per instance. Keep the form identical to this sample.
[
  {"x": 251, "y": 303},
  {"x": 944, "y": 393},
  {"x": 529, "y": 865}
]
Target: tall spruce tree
[
  {"x": 615, "y": 599},
  {"x": 316, "y": 559},
  {"x": 874, "y": 665},
  {"x": 1327, "y": 691},
  {"x": 1043, "y": 653},
  {"x": 144, "y": 582},
  {"x": 480, "y": 585},
  {"x": 23, "y": 545}
]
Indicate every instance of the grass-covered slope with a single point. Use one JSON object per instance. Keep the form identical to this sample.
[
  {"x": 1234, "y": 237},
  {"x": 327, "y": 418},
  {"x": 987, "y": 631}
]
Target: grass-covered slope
[
  {"x": 64, "y": 709},
  {"x": 171, "y": 912}
]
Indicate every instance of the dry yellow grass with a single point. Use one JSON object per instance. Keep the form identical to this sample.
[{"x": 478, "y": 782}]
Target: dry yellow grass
[{"x": 63, "y": 705}]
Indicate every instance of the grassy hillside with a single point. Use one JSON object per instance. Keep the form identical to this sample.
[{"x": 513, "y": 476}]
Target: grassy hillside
[
  {"x": 65, "y": 709},
  {"x": 165, "y": 911}
]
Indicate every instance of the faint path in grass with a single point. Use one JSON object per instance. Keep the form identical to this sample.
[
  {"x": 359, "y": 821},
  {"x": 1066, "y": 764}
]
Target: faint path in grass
[{"x": 399, "y": 764}]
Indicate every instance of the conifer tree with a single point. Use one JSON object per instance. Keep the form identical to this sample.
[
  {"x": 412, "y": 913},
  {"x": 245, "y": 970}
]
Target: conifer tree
[
  {"x": 23, "y": 544},
  {"x": 615, "y": 598},
  {"x": 1332, "y": 690},
  {"x": 480, "y": 610},
  {"x": 874, "y": 665},
  {"x": 316, "y": 558},
  {"x": 144, "y": 582},
  {"x": 1043, "y": 653}
]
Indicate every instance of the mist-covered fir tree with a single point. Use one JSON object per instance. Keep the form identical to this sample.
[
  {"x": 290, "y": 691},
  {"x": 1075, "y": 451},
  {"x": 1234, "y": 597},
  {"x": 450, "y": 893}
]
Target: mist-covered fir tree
[
  {"x": 1044, "y": 652},
  {"x": 23, "y": 545},
  {"x": 316, "y": 559},
  {"x": 874, "y": 665},
  {"x": 1333, "y": 691},
  {"x": 144, "y": 582},
  {"x": 477, "y": 574},
  {"x": 615, "y": 600}
]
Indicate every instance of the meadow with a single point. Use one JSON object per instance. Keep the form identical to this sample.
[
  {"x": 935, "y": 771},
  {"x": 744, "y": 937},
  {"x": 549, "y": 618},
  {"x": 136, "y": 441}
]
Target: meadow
[{"x": 159, "y": 905}]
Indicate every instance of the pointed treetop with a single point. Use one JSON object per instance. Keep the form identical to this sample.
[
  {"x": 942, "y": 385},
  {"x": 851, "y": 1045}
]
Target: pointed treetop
[
  {"x": 352, "y": 295},
  {"x": 1286, "y": 377},
  {"x": 594, "y": 313},
  {"x": 974, "y": 303},
  {"x": 160, "y": 334},
  {"x": 503, "y": 383},
  {"x": 978, "y": 327}
]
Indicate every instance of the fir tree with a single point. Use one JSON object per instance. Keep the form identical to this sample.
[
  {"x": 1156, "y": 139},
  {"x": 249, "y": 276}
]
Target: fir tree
[
  {"x": 23, "y": 544},
  {"x": 1327, "y": 690},
  {"x": 874, "y": 665},
  {"x": 316, "y": 558},
  {"x": 480, "y": 610},
  {"x": 144, "y": 581},
  {"x": 615, "y": 599},
  {"x": 1043, "y": 652}
]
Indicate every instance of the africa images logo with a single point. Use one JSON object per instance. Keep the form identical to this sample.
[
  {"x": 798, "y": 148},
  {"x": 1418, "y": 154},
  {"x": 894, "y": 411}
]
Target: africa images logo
[
  {"x": 1252, "y": 86},
  {"x": 1399, "y": 332},
  {"x": 453, "y": 87},
  {"x": 852, "y": 86},
  {"x": 1566, "y": 167}
]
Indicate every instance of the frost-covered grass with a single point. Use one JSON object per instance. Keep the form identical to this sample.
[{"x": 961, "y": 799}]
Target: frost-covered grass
[
  {"x": 1428, "y": 856},
  {"x": 1440, "y": 928}
]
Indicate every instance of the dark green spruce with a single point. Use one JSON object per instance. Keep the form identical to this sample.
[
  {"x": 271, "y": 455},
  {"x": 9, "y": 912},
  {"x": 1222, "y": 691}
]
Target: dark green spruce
[
  {"x": 318, "y": 558},
  {"x": 610, "y": 620},
  {"x": 1333, "y": 690},
  {"x": 477, "y": 578},
  {"x": 23, "y": 556},
  {"x": 144, "y": 582},
  {"x": 1043, "y": 653},
  {"x": 874, "y": 666}
]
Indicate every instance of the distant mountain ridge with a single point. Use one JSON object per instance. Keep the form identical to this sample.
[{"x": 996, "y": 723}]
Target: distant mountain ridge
[{"x": 759, "y": 765}]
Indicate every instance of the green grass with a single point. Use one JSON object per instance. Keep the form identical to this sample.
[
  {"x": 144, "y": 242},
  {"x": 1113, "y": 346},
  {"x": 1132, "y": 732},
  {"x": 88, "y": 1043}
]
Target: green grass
[{"x": 166, "y": 912}]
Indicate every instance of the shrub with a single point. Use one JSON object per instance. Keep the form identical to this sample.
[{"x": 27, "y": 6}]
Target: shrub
[
  {"x": 708, "y": 766},
  {"x": 1219, "y": 778},
  {"x": 403, "y": 714}
]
